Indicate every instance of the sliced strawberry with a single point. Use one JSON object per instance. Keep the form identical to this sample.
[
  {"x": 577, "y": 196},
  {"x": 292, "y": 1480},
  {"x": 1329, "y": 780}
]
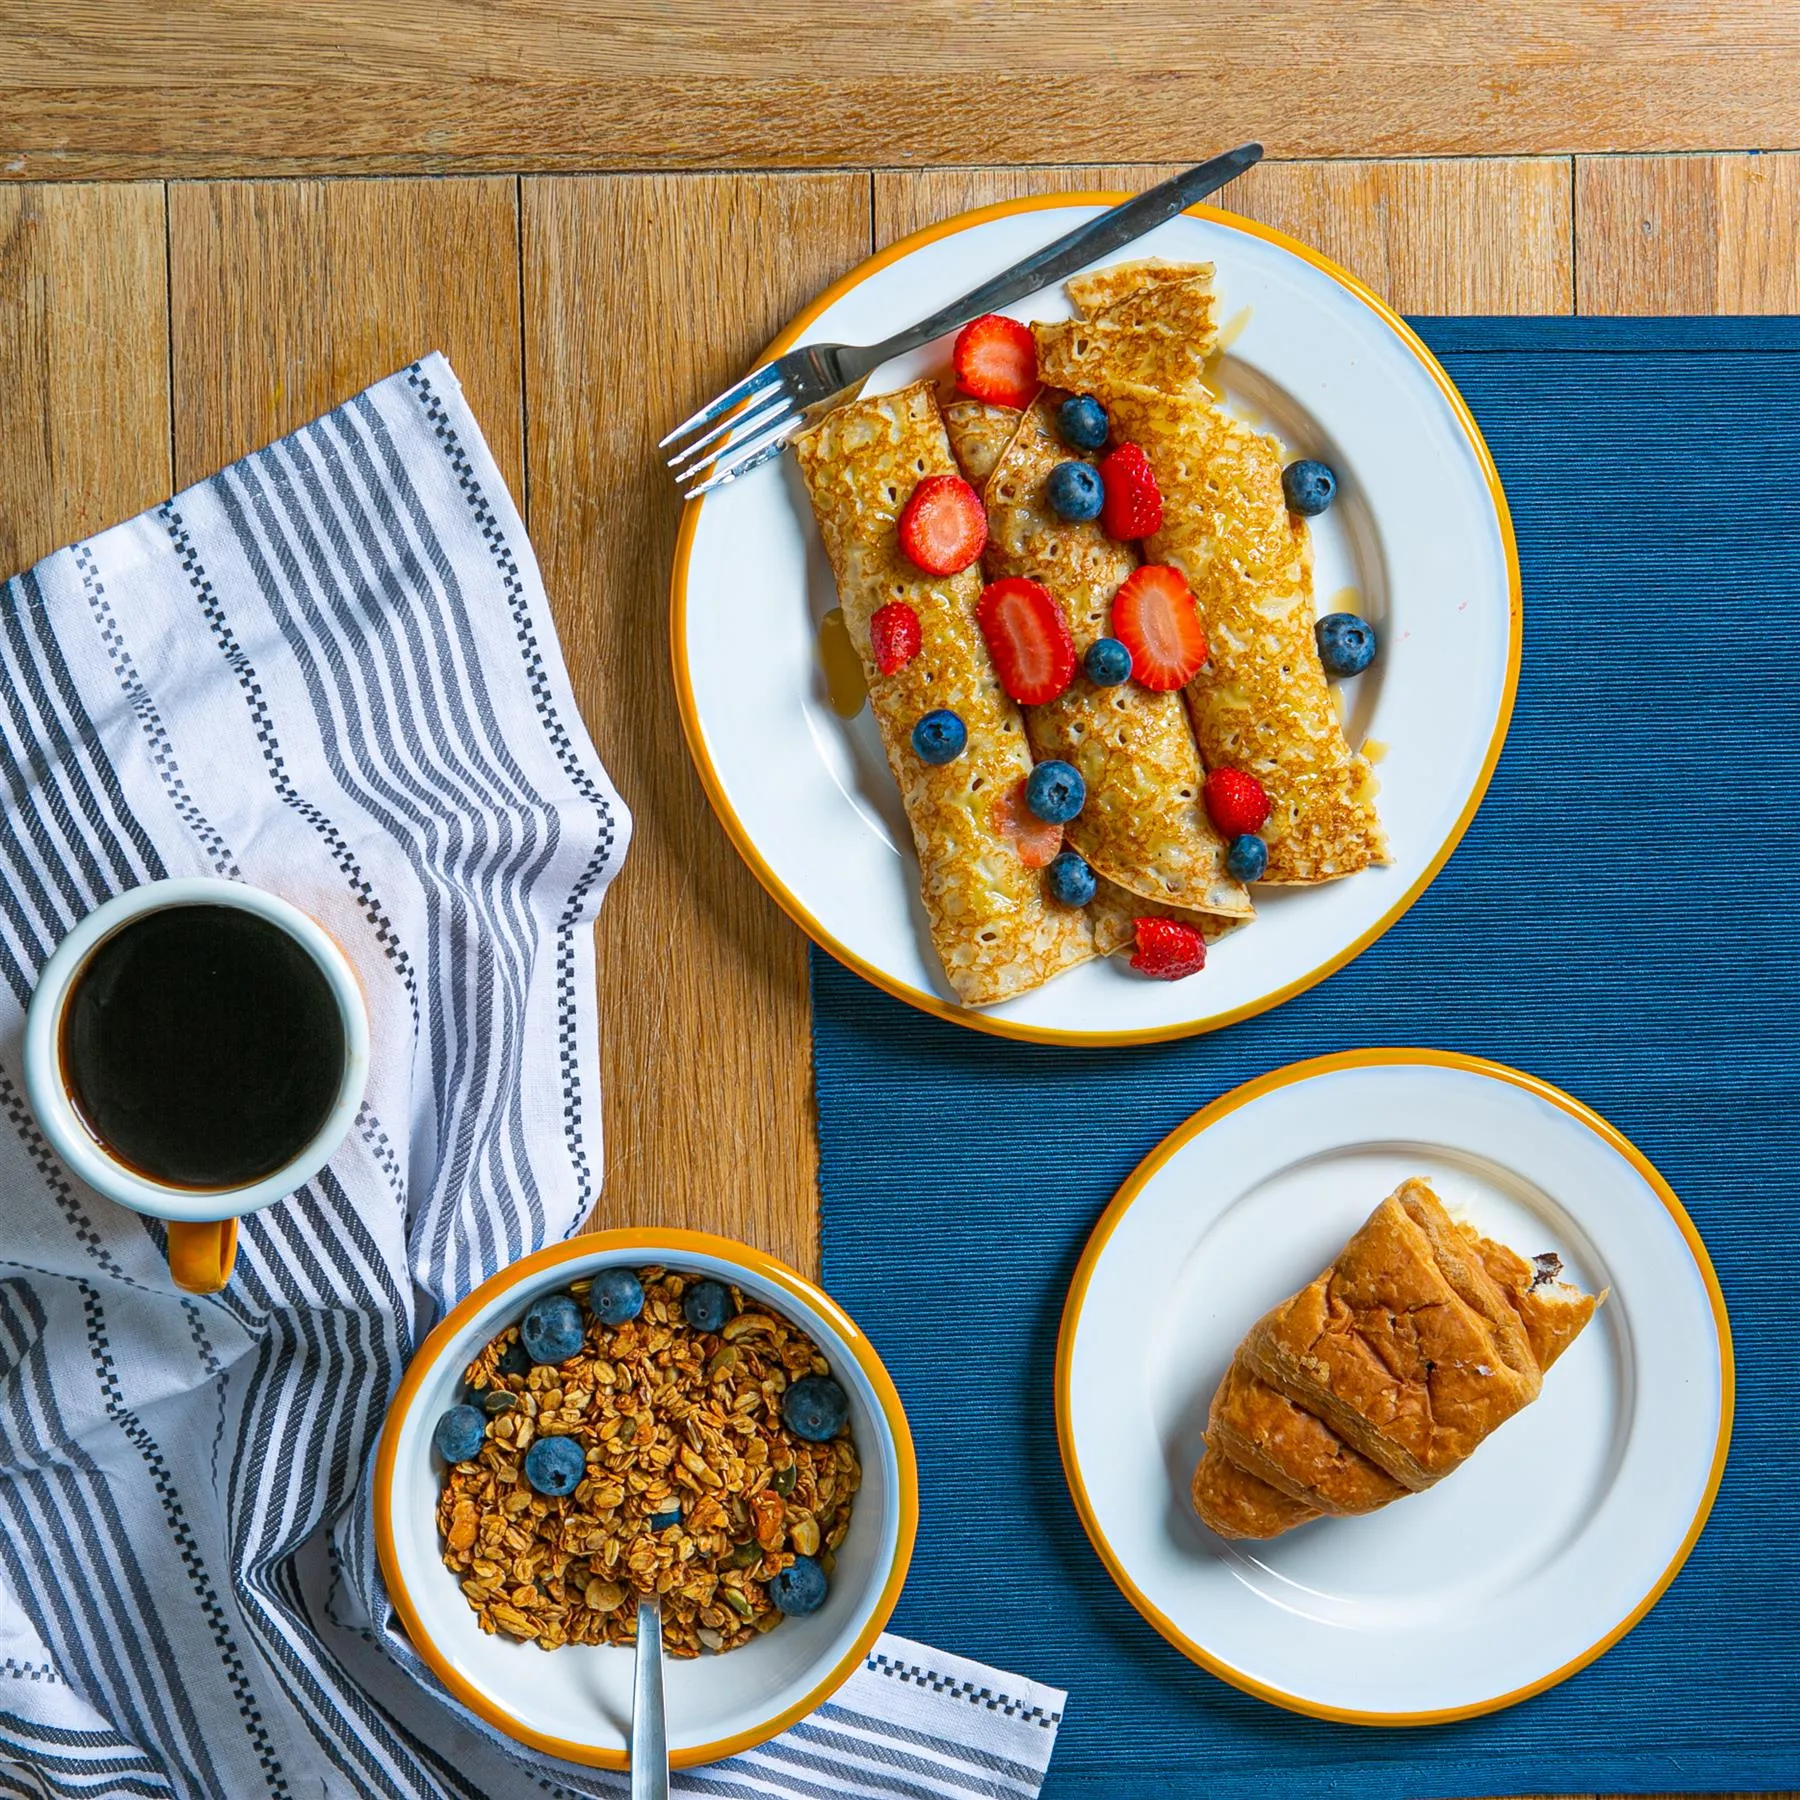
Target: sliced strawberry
[
  {"x": 894, "y": 636},
  {"x": 996, "y": 360},
  {"x": 1027, "y": 638},
  {"x": 1236, "y": 802},
  {"x": 1037, "y": 843},
  {"x": 1167, "y": 949},
  {"x": 1155, "y": 618},
  {"x": 943, "y": 528},
  {"x": 1133, "y": 505}
]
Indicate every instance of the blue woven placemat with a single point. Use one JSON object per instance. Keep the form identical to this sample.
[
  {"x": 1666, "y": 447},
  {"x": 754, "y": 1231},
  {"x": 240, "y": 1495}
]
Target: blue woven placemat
[{"x": 1616, "y": 921}]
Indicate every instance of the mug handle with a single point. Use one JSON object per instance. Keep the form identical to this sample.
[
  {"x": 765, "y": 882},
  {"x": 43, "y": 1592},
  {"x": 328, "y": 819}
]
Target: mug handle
[{"x": 201, "y": 1253}]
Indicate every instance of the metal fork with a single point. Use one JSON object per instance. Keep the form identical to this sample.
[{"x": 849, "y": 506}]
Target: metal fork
[
  {"x": 649, "y": 1735},
  {"x": 755, "y": 419}
]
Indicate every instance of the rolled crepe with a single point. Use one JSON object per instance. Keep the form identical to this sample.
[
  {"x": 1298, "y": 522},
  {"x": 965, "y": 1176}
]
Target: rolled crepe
[
  {"x": 1144, "y": 824},
  {"x": 979, "y": 432},
  {"x": 1262, "y": 702},
  {"x": 995, "y": 929}
]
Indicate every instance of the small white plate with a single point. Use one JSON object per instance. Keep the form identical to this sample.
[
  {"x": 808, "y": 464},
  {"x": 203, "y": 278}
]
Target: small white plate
[
  {"x": 1553, "y": 1540},
  {"x": 1419, "y": 531}
]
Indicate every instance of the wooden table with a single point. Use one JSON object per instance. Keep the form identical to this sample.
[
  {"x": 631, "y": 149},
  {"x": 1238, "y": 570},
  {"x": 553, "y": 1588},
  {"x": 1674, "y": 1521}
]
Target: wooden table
[{"x": 218, "y": 220}]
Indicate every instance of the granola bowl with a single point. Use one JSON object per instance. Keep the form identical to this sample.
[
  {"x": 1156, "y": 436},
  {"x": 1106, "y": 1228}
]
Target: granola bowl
[{"x": 852, "y": 1500}]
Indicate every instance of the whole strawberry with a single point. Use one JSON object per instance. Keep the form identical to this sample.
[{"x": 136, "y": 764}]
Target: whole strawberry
[
  {"x": 1133, "y": 505},
  {"x": 1167, "y": 949},
  {"x": 894, "y": 636},
  {"x": 1236, "y": 803}
]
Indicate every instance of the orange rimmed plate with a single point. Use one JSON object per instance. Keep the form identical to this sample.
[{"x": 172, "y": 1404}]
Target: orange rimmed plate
[
  {"x": 1562, "y": 1530},
  {"x": 1419, "y": 540},
  {"x": 575, "y": 1702}
]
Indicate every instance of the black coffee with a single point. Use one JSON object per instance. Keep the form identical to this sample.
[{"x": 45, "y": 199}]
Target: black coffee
[{"x": 202, "y": 1046}]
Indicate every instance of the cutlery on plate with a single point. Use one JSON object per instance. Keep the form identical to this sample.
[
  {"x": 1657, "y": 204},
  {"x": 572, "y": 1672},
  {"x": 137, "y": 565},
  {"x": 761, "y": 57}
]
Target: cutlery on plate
[
  {"x": 649, "y": 1733},
  {"x": 755, "y": 419}
]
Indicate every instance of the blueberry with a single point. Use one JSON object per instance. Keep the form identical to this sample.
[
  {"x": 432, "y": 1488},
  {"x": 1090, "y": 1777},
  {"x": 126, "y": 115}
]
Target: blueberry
[
  {"x": 1071, "y": 880},
  {"x": 1055, "y": 792},
  {"x": 617, "y": 1297},
  {"x": 1247, "y": 857},
  {"x": 1107, "y": 662},
  {"x": 799, "y": 1589},
  {"x": 707, "y": 1306},
  {"x": 1308, "y": 487},
  {"x": 815, "y": 1408},
  {"x": 663, "y": 1520},
  {"x": 555, "y": 1466},
  {"x": 513, "y": 1360},
  {"x": 459, "y": 1433},
  {"x": 939, "y": 737},
  {"x": 1346, "y": 643},
  {"x": 1074, "y": 491},
  {"x": 552, "y": 1331},
  {"x": 1082, "y": 421}
]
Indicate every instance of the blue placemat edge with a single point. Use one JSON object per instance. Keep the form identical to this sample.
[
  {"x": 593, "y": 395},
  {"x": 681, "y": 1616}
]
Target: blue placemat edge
[{"x": 1580, "y": 335}]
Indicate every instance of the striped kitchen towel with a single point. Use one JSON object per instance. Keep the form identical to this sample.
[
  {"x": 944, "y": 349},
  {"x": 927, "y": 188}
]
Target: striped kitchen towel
[{"x": 328, "y": 671}]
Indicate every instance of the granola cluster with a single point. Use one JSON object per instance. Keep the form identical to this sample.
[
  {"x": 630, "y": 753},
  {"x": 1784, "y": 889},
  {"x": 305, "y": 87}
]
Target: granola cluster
[{"x": 668, "y": 1417}]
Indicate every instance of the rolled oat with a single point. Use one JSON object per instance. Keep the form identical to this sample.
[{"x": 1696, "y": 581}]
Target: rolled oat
[{"x": 668, "y": 1417}]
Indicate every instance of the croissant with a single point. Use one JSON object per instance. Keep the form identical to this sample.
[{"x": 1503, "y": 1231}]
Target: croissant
[{"x": 1384, "y": 1375}]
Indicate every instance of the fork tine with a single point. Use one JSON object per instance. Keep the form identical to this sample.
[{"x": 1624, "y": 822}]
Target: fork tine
[
  {"x": 754, "y": 417},
  {"x": 775, "y": 430},
  {"x": 750, "y": 458},
  {"x": 753, "y": 383}
]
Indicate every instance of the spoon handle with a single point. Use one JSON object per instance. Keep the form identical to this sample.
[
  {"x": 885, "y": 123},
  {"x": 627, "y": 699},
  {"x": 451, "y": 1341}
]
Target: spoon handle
[{"x": 649, "y": 1733}]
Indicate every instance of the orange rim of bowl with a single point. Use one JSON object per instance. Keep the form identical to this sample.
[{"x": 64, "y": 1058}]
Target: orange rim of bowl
[
  {"x": 1211, "y": 1115},
  {"x": 664, "y": 1246},
  {"x": 791, "y": 904}
]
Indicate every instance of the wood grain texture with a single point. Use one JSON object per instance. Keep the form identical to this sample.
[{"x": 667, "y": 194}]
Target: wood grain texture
[
  {"x": 290, "y": 296},
  {"x": 641, "y": 295},
  {"x": 1473, "y": 235},
  {"x": 1700, "y": 234},
  {"x": 84, "y": 363},
  {"x": 644, "y": 295},
  {"x": 217, "y": 87}
]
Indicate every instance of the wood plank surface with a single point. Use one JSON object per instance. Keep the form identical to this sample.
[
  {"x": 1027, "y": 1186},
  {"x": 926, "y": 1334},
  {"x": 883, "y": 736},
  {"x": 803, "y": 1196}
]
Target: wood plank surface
[
  {"x": 1471, "y": 235},
  {"x": 290, "y": 296},
  {"x": 644, "y": 295},
  {"x": 585, "y": 314},
  {"x": 219, "y": 87},
  {"x": 84, "y": 363},
  {"x": 1689, "y": 234}
]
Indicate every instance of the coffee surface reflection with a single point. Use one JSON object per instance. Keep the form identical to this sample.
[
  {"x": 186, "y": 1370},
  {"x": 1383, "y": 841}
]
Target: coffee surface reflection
[{"x": 202, "y": 1046}]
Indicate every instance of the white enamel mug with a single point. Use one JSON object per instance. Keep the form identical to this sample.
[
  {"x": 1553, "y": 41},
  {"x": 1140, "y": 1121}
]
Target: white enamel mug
[{"x": 202, "y": 1221}]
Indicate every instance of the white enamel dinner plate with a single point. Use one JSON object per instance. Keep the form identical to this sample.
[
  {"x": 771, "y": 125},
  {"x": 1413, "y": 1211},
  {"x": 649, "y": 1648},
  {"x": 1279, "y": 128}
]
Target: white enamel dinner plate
[
  {"x": 1418, "y": 540},
  {"x": 1537, "y": 1555}
]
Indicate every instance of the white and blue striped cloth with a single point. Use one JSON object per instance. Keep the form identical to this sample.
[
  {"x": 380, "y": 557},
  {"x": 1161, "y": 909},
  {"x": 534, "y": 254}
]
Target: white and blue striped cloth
[{"x": 328, "y": 671}]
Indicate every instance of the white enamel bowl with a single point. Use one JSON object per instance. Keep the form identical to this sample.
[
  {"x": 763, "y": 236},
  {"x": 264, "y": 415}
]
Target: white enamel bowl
[{"x": 575, "y": 1702}]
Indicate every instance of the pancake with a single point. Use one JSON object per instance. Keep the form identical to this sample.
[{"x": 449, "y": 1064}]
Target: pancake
[
  {"x": 1144, "y": 825},
  {"x": 979, "y": 432},
  {"x": 996, "y": 931},
  {"x": 1262, "y": 703},
  {"x": 1113, "y": 914},
  {"x": 1098, "y": 289}
]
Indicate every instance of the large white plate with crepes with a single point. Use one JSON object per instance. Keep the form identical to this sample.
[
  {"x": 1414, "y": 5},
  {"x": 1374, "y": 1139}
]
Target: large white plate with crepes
[
  {"x": 1419, "y": 535},
  {"x": 1562, "y": 1529}
]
